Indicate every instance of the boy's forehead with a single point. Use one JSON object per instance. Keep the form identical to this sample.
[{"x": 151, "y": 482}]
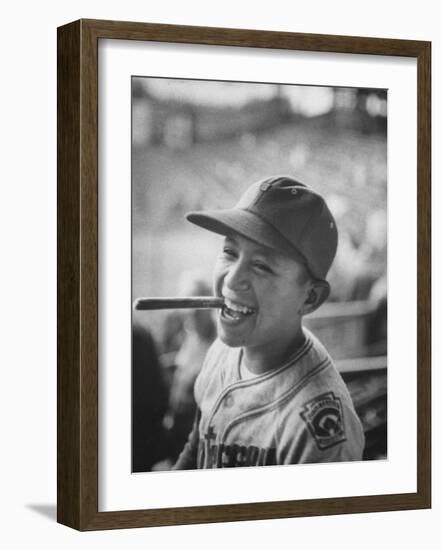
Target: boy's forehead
[
  {"x": 245, "y": 242},
  {"x": 256, "y": 248}
]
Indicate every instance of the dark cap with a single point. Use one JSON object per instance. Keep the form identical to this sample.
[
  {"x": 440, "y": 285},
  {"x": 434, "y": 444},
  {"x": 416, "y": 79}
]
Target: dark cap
[{"x": 282, "y": 214}]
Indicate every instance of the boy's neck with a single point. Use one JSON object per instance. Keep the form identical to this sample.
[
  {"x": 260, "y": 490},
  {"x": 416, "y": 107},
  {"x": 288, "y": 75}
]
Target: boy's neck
[{"x": 261, "y": 360}]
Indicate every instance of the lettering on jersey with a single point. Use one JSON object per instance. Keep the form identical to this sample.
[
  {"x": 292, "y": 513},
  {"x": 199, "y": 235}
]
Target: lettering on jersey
[
  {"x": 215, "y": 455},
  {"x": 324, "y": 418}
]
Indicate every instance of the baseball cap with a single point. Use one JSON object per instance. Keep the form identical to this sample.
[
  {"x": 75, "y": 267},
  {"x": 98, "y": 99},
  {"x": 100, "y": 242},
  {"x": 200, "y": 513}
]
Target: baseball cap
[{"x": 282, "y": 214}]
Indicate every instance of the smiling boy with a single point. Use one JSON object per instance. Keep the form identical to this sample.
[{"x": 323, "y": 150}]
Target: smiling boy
[{"x": 268, "y": 392}]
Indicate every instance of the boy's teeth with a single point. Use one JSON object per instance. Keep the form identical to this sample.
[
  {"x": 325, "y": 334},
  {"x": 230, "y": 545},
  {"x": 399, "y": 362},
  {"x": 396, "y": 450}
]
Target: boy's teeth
[{"x": 236, "y": 307}]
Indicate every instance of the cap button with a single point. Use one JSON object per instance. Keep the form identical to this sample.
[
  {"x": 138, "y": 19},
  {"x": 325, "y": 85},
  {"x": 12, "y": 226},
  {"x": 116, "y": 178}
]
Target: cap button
[{"x": 265, "y": 185}]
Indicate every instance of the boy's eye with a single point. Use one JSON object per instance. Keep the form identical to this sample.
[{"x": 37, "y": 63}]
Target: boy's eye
[
  {"x": 263, "y": 267},
  {"x": 229, "y": 252}
]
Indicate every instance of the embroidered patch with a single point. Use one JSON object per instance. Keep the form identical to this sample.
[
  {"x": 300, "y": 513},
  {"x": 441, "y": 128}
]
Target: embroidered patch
[{"x": 324, "y": 418}]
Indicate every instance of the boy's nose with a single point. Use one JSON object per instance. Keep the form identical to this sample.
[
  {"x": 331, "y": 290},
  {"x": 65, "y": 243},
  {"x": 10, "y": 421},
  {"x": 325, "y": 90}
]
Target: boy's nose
[{"x": 237, "y": 278}]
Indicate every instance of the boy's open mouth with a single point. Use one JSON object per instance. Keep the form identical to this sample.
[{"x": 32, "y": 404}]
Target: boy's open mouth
[{"x": 234, "y": 311}]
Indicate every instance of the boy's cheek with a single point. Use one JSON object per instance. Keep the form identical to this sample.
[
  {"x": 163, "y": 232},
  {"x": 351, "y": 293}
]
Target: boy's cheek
[
  {"x": 217, "y": 281},
  {"x": 216, "y": 287}
]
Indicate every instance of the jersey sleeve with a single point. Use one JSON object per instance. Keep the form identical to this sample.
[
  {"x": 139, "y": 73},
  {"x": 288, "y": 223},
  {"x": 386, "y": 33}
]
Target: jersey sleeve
[{"x": 325, "y": 429}]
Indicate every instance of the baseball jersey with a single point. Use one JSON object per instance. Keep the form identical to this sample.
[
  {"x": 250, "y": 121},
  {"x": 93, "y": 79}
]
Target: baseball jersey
[{"x": 299, "y": 412}]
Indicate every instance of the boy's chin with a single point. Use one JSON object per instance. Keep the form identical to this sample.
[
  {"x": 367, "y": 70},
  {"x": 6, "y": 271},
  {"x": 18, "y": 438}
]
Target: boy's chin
[{"x": 229, "y": 339}]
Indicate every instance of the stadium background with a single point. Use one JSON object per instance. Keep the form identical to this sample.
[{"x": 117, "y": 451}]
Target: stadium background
[{"x": 200, "y": 144}]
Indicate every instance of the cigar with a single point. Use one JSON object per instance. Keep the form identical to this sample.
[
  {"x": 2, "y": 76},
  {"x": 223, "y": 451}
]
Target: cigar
[{"x": 194, "y": 302}]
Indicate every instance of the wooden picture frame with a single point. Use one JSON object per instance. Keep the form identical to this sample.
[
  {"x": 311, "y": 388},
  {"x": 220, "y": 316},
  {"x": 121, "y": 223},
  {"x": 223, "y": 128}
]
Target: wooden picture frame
[{"x": 77, "y": 223}]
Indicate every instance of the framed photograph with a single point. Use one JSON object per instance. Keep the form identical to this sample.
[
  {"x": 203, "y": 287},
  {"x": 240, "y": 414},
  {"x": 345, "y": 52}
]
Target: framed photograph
[{"x": 243, "y": 275}]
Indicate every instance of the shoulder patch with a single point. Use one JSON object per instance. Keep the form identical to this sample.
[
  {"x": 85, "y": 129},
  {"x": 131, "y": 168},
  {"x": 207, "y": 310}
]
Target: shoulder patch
[{"x": 324, "y": 418}]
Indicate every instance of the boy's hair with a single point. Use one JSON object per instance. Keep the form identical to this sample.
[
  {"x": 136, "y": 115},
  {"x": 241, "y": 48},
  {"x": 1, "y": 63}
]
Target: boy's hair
[{"x": 283, "y": 214}]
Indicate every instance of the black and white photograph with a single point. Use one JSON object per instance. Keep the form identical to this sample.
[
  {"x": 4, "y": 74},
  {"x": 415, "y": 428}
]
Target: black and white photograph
[{"x": 259, "y": 274}]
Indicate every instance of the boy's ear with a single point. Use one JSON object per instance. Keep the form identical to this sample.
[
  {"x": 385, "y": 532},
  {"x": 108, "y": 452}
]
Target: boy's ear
[{"x": 319, "y": 292}]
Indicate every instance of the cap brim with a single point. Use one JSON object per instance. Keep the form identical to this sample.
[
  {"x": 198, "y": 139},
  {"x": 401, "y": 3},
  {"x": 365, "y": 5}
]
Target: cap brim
[{"x": 246, "y": 224}]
